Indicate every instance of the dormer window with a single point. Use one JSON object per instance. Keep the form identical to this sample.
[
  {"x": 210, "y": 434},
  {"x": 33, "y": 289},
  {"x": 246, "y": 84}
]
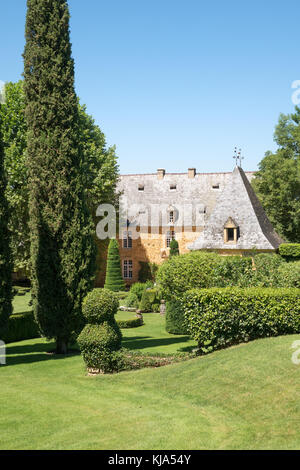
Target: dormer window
[
  {"x": 231, "y": 231},
  {"x": 216, "y": 186},
  {"x": 141, "y": 187},
  {"x": 172, "y": 187}
]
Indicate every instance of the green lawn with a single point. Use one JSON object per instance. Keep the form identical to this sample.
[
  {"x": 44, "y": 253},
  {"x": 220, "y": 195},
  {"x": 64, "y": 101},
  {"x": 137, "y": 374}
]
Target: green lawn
[
  {"x": 152, "y": 336},
  {"x": 21, "y": 303},
  {"x": 244, "y": 397}
]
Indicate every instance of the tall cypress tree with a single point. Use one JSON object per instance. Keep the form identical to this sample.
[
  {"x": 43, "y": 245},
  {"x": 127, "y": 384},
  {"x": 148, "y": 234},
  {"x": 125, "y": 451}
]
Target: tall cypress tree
[
  {"x": 62, "y": 245},
  {"x": 5, "y": 258}
]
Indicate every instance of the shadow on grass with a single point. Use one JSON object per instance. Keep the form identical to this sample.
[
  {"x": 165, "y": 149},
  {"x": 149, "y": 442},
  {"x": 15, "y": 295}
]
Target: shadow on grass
[
  {"x": 142, "y": 342},
  {"x": 35, "y": 352}
]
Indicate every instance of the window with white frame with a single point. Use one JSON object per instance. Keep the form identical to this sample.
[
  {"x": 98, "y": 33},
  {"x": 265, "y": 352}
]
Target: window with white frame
[
  {"x": 171, "y": 216},
  {"x": 127, "y": 269},
  {"x": 170, "y": 237},
  {"x": 127, "y": 239}
]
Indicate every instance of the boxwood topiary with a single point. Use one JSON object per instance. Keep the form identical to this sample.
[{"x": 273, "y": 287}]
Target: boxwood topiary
[
  {"x": 113, "y": 279},
  {"x": 100, "y": 305},
  {"x": 100, "y": 340}
]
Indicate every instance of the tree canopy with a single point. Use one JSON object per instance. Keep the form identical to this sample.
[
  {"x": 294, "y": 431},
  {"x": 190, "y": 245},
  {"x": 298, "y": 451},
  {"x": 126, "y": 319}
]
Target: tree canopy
[
  {"x": 277, "y": 183},
  {"x": 99, "y": 168}
]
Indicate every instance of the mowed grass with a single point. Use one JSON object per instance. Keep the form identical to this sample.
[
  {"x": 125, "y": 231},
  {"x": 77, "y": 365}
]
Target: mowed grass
[
  {"x": 21, "y": 303},
  {"x": 152, "y": 336},
  {"x": 244, "y": 397}
]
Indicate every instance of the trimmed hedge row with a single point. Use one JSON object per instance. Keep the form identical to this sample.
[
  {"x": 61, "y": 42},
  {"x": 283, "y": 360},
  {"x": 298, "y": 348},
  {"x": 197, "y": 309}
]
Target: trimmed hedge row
[
  {"x": 174, "y": 319},
  {"x": 132, "y": 323},
  {"x": 290, "y": 250},
  {"x": 21, "y": 326},
  {"x": 217, "y": 318},
  {"x": 202, "y": 270}
]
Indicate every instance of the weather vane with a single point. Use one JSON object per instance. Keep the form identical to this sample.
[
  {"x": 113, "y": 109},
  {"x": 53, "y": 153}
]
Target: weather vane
[{"x": 238, "y": 157}]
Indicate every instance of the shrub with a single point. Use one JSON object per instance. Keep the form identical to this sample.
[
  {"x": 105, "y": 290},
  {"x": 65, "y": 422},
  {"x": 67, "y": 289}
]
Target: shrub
[
  {"x": 217, "y": 318},
  {"x": 232, "y": 271},
  {"x": 102, "y": 336},
  {"x": 174, "y": 248},
  {"x": 149, "y": 297},
  {"x": 21, "y": 326},
  {"x": 289, "y": 274},
  {"x": 156, "y": 307},
  {"x": 290, "y": 250},
  {"x": 175, "y": 319},
  {"x": 203, "y": 270},
  {"x": 121, "y": 295},
  {"x": 266, "y": 273},
  {"x": 114, "y": 280},
  {"x": 132, "y": 323},
  {"x": 100, "y": 339},
  {"x": 147, "y": 271},
  {"x": 100, "y": 305},
  {"x": 131, "y": 301},
  {"x": 138, "y": 288}
]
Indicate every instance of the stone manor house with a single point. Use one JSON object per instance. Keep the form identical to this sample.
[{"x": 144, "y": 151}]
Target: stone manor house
[{"x": 221, "y": 212}]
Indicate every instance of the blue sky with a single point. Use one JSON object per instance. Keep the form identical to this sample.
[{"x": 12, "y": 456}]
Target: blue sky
[{"x": 177, "y": 84}]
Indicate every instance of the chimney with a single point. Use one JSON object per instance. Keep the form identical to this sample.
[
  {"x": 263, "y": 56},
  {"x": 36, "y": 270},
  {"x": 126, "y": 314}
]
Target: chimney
[
  {"x": 161, "y": 173},
  {"x": 191, "y": 172}
]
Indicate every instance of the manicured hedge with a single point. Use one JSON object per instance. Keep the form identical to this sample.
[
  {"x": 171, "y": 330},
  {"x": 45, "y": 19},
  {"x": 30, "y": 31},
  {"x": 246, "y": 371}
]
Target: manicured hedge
[
  {"x": 150, "y": 297},
  {"x": 217, "y": 318},
  {"x": 289, "y": 274},
  {"x": 21, "y": 326},
  {"x": 132, "y": 323},
  {"x": 202, "y": 270},
  {"x": 290, "y": 250},
  {"x": 175, "y": 318}
]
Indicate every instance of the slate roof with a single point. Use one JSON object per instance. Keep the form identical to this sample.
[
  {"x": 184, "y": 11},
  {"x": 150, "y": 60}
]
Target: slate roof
[
  {"x": 238, "y": 201},
  {"x": 200, "y": 190}
]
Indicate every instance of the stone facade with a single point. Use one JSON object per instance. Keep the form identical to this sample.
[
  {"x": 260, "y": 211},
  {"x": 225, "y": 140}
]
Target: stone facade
[{"x": 214, "y": 211}]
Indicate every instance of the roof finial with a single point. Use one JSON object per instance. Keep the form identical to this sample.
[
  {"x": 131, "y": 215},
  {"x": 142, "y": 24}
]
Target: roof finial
[{"x": 238, "y": 157}]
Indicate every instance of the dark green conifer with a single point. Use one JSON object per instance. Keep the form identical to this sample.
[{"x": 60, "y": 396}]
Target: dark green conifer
[
  {"x": 174, "y": 248},
  {"x": 114, "y": 280},
  {"x": 5, "y": 255},
  {"x": 62, "y": 246}
]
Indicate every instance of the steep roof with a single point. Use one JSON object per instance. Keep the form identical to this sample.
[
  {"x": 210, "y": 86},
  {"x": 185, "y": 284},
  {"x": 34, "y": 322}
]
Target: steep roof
[
  {"x": 238, "y": 201},
  {"x": 203, "y": 188}
]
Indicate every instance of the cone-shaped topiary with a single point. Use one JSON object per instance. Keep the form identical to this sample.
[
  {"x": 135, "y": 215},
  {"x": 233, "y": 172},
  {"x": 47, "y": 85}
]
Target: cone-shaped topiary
[
  {"x": 174, "y": 248},
  {"x": 62, "y": 243},
  {"x": 5, "y": 255},
  {"x": 100, "y": 340},
  {"x": 114, "y": 280}
]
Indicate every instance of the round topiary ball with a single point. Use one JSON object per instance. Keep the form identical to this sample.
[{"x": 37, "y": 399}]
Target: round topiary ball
[
  {"x": 100, "y": 305},
  {"x": 99, "y": 337}
]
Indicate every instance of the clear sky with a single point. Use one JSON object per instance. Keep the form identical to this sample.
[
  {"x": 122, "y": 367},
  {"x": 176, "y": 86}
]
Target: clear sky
[{"x": 177, "y": 84}]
